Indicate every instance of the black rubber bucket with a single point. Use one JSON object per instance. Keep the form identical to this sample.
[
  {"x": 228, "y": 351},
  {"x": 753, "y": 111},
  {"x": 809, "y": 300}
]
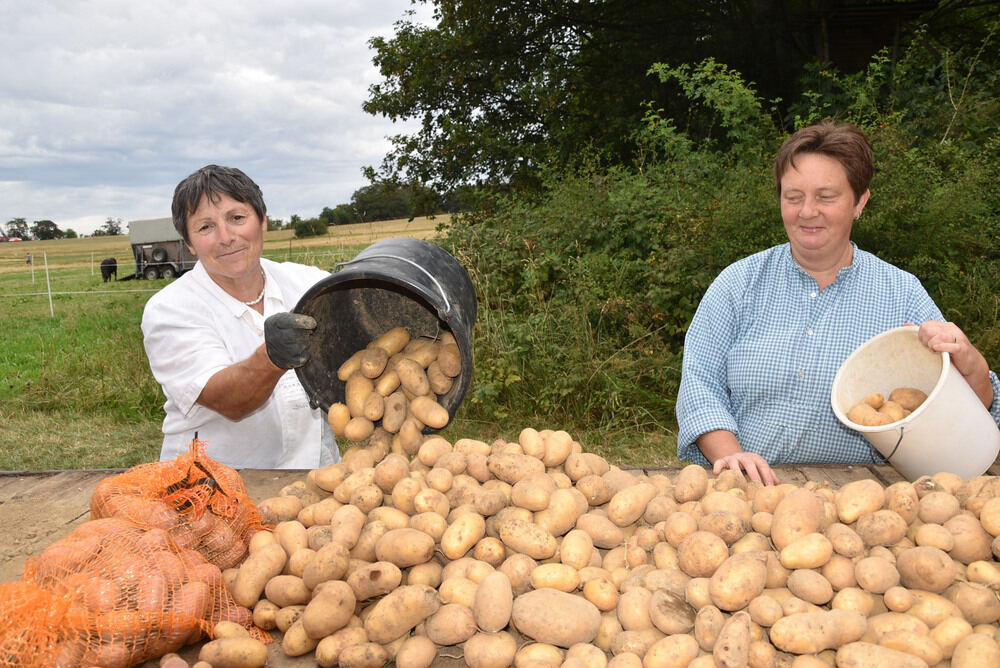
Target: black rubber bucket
[{"x": 398, "y": 282}]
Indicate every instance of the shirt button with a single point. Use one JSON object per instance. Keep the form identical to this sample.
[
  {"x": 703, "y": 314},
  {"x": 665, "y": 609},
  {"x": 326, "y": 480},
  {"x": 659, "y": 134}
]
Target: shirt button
[
  {"x": 809, "y": 332},
  {"x": 812, "y": 295},
  {"x": 801, "y": 373}
]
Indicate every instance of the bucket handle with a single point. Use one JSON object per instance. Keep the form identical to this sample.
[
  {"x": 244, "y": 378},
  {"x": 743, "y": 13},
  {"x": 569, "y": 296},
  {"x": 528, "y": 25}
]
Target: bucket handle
[
  {"x": 447, "y": 304},
  {"x": 888, "y": 457}
]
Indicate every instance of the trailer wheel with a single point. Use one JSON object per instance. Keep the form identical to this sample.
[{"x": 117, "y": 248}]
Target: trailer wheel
[
  {"x": 168, "y": 272},
  {"x": 159, "y": 255},
  {"x": 150, "y": 273}
]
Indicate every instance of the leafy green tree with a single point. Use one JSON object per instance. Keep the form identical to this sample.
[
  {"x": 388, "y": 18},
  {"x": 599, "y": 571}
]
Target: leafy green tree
[
  {"x": 45, "y": 229},
  {"x": 313, "y": 227},
  {"x": 70, "y": 233},
  {"x": 18, "y": 227},
  {"x": 381, "y": 201}
]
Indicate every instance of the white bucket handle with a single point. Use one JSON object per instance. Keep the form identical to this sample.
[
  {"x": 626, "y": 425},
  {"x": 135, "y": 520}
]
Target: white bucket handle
[{"x": 447, "y": 304}]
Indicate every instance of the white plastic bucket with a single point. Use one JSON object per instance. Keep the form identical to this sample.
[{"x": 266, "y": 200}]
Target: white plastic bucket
[{"x": 950, "y": 432}]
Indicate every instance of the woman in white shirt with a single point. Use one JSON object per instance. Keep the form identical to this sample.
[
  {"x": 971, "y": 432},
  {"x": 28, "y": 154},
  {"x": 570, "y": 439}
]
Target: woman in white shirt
[{"x": 220, "y": 339}]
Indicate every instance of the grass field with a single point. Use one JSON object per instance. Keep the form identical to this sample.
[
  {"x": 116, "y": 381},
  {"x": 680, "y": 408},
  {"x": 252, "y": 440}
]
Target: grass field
[{"x": 77, "y": 392}]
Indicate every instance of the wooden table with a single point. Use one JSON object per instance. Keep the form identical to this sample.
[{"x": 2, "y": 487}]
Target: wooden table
[{"x": 37, "y": 509}]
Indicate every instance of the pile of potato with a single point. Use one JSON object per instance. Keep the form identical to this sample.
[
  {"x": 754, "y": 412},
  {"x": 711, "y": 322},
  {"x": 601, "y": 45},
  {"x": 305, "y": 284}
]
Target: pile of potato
[
  {"x": 395, "y": 382},
  {"x": 535, "y": 553},
  {"x": 875, "y": 410}
]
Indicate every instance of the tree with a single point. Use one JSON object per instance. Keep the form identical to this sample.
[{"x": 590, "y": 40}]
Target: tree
[
  {"x": 111, "y": 227},
  {"x": 313, "y": 227},
  {"x": 381, "y": 201},
  {"x": 18, "y": 227},
  {"x": 45, "y": 229},
  {"x": 502, "y": 87},
  {"x": 70, "y": 233}
]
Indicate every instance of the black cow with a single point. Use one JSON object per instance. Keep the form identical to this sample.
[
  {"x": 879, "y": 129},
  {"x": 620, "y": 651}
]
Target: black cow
[{"x": 109, "y": 268}]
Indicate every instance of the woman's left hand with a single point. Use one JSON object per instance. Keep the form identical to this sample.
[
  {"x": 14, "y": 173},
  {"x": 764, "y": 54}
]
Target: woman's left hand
[{"x": 947, "y": 337}]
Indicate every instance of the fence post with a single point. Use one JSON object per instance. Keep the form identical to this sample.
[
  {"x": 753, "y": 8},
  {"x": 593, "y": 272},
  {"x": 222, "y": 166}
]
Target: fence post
[{"x": 48, "y": 284}]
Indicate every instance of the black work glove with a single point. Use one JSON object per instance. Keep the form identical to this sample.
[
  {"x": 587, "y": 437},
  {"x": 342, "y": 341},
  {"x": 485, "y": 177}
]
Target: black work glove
[{"x": 286, "y": 338}]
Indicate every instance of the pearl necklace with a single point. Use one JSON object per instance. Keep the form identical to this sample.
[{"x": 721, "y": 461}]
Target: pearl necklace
[{"x": 261, "y": 295}]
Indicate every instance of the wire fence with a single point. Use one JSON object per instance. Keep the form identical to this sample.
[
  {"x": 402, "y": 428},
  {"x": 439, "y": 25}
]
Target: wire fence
[{"x": 40, "y": 270}]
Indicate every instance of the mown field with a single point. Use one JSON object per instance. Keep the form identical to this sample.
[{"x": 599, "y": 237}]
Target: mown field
[{"x": 77, "y": 392}]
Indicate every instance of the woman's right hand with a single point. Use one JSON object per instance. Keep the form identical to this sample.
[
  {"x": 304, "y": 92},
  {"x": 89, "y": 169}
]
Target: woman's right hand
[
  {"x": 755, "y": 466},
  {"x": 723, "y": 449}
]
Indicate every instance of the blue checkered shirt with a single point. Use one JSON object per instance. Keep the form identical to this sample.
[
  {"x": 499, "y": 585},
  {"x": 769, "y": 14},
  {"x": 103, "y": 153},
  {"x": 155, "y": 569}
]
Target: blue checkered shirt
[{"x": 765, "y": 344}]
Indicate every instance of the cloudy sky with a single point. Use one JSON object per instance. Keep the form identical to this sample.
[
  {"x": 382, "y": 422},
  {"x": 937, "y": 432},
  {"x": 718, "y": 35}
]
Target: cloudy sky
[{"x": 106, "y": 104}]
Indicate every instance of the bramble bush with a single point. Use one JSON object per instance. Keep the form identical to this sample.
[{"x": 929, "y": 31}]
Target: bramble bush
[{"x": 587, "y": 286}]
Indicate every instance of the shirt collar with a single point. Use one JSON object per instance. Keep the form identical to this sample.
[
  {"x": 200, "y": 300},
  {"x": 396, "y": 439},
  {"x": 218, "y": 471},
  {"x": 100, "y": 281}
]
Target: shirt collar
[
  {"x": 235, "y": 307},
  {"x": 843, "y": 273}
]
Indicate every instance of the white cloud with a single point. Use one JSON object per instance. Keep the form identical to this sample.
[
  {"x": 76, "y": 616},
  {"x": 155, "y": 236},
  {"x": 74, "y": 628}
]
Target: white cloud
[{"x": 111, "y": 102}]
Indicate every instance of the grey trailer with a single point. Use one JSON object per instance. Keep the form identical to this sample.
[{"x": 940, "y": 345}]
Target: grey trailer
[{"x": 159, "y": 250}]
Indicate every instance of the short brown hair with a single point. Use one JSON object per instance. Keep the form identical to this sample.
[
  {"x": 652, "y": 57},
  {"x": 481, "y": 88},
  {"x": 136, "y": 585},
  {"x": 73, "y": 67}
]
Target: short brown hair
[
  {"x": 211, "y": 181},
  {"x": 843, "y": 142}
]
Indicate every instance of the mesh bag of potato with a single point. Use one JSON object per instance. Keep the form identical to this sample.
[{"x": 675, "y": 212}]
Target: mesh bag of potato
[
  {"x": 111, "y": 594},
  {"x": 202, "y": 504}
]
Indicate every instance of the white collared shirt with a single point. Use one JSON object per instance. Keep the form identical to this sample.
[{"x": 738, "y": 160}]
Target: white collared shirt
[{"x": 192, "y": 329}]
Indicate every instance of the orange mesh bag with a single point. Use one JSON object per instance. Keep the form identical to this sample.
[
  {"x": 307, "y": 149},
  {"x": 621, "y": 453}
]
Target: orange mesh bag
[
  {"x": 200, "y": 502},
  {"x": 113, "y": 594}
]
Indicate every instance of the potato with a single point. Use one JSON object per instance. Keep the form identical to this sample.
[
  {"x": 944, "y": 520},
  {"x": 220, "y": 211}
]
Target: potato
[
  {"x": 800, "y": 512},
  {"x": 374, "y": 579},
  {"x": 979, "y": 604},
  {"x": 674, "y": 650},
  {"x": 604, "y": 533},
  {"x": 405, "y": 547},
  {"x": 883, "y": 527},
  {"x": 810, "y": 586},
  {"x": 926, "y": 568},
  {"x": 329, "y": 648},
  {"x": 809, "y": 551},
  {"x": 462, "y": 535},
  {"x": 256, "y": 571},
  {"x": 234, "y": 653},
  {"x": 557, "y": 576},
  {"x": 937, "y": 508},
  {"x": 732, "y": 648},
  {"x": 864, "y": 654},
  {"x": 363, "y": 655},
  {"x": 738, "y": 580},
  {"x": 909, "y": 398},
  {"x": 286, "y": 590},
  {"x": 633, "y": 609},
  {"x": 578, "y": 619},
  {"x": 915, "y": 643},
  {"x": 972, "y": 543},
  {"x": 399, "y": 611},
  {"x": 813, "y": 632},
  {"x": 670, "y": 613},
  {"x": 295, "y": 642},
  {"x": 494, "y": 600},
  {"x": 452, "y": 624},
  {"x": 858, "y": 498},
  {"x": 876, "y": 575},
  {"x": 490, "y": 650},
  {"x": 329, "y": 610},
  {"x": 527, "y": 537},
  {"x": 690, "y": 484},
  {"x": 975, "y": 650},
  {"x": 701, "y": 553}
]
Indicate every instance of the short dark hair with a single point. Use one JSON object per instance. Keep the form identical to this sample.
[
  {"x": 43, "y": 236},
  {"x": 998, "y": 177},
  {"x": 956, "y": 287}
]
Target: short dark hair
[
  {"x": 843, "y": 142},
  {"x": 211, "y": 181}
]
